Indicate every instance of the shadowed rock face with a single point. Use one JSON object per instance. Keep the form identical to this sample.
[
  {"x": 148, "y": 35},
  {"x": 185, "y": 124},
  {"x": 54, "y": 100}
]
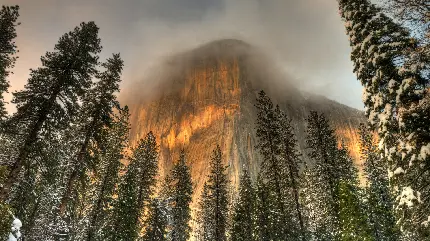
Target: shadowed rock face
[{"x": 209, "y": 98}]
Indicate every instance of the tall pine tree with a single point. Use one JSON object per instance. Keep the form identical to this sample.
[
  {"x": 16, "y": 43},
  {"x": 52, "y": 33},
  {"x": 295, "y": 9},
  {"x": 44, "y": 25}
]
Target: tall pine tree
[
  {"x": 274, "y": 168},
  {"x": 396, "y": 100},
  {"x": 134, "y": 191},
  {"x": 214, "y": 202},
  {"x": 156, "y": 223},
  {"x": 218, "y": 184},
  {"x": 205, "y": 216},
  {"x": 291, "y": 158},
  {"x": 182, "y": 197},
  {"x": 352, "y": 217},
  {"x": 107, "y": 176},
  {"x": 322, "y": 145},
  {"x": 263, "y": 207},
  {"x": 95, "y": 115},
  {"x": 244, "y": 215},
  {"x": 380, "y": 202},
  {"x": 50, "y": 98}
]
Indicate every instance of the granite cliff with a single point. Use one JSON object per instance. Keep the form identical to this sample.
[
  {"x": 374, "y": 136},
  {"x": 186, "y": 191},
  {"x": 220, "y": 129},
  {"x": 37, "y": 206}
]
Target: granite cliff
[{"x": 207, "y": 98}]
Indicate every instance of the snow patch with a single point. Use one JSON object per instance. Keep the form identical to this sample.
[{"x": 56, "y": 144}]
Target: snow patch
[
  {"x": 407, "y": 197},
  {"x": 398, "y": 171},
  {"x": 424, "y": 153},
  {"x": 15, "y": 233}
]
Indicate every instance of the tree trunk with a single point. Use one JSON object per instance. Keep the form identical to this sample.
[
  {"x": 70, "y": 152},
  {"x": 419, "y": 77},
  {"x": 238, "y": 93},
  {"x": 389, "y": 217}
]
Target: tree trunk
[
  {"x": 296, "y": 200},
  {"x": 19, "y": 162},
  {"x": 73, "y": 176}
]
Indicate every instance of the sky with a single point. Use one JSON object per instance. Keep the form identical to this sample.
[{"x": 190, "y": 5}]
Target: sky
[{"x": 305, "y": 37}]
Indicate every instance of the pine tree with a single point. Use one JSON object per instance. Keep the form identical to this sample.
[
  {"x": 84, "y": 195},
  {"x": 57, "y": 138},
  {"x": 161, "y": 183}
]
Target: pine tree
[
  {"x": 134, "y": 191},
  {"x": 397, "y": 103},
  {"x": 291, "y": 158},
  {"x": 322, "y": 145},
  {"x": 318, "y": 216},
  {"x": 214, "y": 201},
  {"x": 352, "y": 217},
  {"x": 182, "y": 195},
  {"x": 96, "y": 114},
  {"x": 205, "y": 216},
  {"x": 244, "y": 222},
  {"x": 8, "y": 22},
  {"x": 218, "y": 183},
  {"x": 263, "y": 207},
  {"x": 50, "y": 98},
  {"x": 156, "y": 224},
  {"x": 41, "y": 221},
  {"x": 380, "y": 203},
  {"x": 107, "y": 174},
  {"x": 273, "y": 166}
]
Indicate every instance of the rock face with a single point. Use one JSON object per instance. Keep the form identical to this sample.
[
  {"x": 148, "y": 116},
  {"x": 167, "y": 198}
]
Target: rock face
[{"x": 207, "y": 98}]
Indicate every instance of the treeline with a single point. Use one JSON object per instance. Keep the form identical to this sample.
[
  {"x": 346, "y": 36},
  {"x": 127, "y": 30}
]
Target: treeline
[
  {"x": 290, "y": 200},
  {"x": 68, "y": 172},
  {"x": 63, "y": 152}
]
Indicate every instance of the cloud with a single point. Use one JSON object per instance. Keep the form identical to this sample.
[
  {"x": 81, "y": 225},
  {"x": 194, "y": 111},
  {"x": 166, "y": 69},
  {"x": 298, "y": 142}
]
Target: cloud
[{"x": 305, "y": 37}]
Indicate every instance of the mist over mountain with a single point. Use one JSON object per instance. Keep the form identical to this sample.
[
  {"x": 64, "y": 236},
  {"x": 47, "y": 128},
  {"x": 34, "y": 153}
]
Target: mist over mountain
[{"x": 199, "y": 98}]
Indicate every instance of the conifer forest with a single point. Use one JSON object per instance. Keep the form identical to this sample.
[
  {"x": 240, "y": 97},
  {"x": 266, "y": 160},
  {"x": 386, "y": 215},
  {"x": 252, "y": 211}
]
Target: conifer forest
[{"x": 69, "y": 172}]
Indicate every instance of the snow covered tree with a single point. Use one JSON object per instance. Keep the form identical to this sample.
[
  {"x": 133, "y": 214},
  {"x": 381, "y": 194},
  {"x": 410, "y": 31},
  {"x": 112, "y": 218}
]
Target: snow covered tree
[
  {"x": 274, "y": 167},
  {"x": 322, "y": 145},
  {"x": 134, "y": 191},
  {"x": 244, "y": 221},
  {"x": 50, "y": 98},
  {"x": 352, "y": 217},
  {"x": 318, "y": 216},
  {"x": 214, "y": 201},
  {"x": 396, "y": 100},
  {"x": 263, "y": 206},
  {"x": 182, "y": 196},
  {"x": 156, "y": 224},
  {"x": 205, "y": 219},
  {"x": 8, "y": 22},
  {"x": 107, "y": 175},
  {"x": 218, "y": 184},
  {"x": 95, "y": 115},
  {"x": 415, "y": 15},
  {"x": 379, "y": 200},
  {"x": 291, "y": 158}
]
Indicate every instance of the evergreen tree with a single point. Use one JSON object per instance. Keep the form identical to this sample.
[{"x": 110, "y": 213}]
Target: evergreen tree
[
  {"x": 8, "y": 17},
  {"x": 273, "y": 166},
  {"x": 397, "y": 103},
  {"x": 244, "y": 222},
  {"x": 40, "y": 219},
  {"x": 182, "y": 195},
  {"x": 214, "y": 202},
  {"x": 352, "y": 217},
  {"x": 218, "y": 190},
  {"x": 96, "y": 114},
  {"x": 107, "y": 176},
  {"x": 205, "y": 216},
  {"x": 50, "y": 98},
  {"x": 322, "y": 145},
  {"x": 320, "y": 221},
  {"x": 134, "y": 191},
  {"x": 380, "y": 203},
  {"x": 263, "y": 207},
  {"x": 291, "y": 158},
  {"x": 156, "y": 224}
]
